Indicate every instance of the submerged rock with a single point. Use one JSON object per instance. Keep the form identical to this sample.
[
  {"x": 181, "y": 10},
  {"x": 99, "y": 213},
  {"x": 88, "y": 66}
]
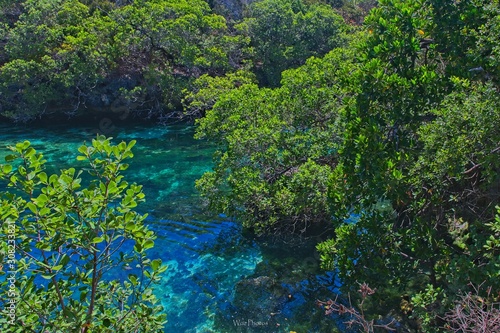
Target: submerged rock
[{"x": 280, "y": 295}]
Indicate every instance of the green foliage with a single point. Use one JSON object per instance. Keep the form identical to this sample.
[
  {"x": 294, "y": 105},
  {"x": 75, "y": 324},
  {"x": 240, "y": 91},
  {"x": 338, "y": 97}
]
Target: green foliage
[
  {"x": 278, "y": 146},
  {"x": 55, "y": 52},
  {"x": 284, "y": 33},
  {"x": 64, "y": 55},
  {"x": 393, "y": 138},
  {"x": 61, "y": 54},
  {"x": 458, "y": 170},
  {"x": 488, "y": 51},
  {"x": 353, "y": 11},
  {"x": 69, "y": 234},
  {"x": 398, "y": 131},
  {"x": 182, "y": 39},
  {"x": 422, "y": 141},
  {"x": 206, "y": 90}
]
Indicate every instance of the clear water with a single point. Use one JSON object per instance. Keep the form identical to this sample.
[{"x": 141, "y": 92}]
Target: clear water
[{"x": 218, "y": 278}]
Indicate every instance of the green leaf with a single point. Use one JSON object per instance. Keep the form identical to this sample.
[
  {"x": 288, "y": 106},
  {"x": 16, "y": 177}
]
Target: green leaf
[
  {"x": 148, "y": 244},
  {"x": 64, "y": 260},
  {"x": 83, "y": 296},
  {"x": 138, "y": 247},
  {"x": 41, "y": 200},
  {"x": 131, "y": 226},
  {"x": 83, "y": 149},
  {"x": 97, "y": 240},
  {"x": 6, "y": 168},
  {"x": 155, "y": 264},
  {"x": 10, "y": 158},
  {"x": 131, "y": 144},
  {"x": 43, "y": 246},
  {"x": 43, "y": 177},
  {"x": 31, "y": 206}
]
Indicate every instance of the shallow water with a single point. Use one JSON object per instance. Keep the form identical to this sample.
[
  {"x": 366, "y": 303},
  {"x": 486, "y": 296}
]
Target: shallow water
[{"x": 218, "y": 279}]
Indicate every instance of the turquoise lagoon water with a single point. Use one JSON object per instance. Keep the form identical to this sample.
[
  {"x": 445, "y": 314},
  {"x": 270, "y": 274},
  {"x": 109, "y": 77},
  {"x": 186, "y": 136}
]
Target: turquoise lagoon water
[{"x": 218, "y": 279}]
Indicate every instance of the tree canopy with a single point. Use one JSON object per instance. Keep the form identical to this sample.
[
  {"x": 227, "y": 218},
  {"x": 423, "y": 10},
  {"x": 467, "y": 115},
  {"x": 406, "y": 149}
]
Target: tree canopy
[
  {"x": 388, "y": 133},
  {"x": 393, "y": 141},
  {"x": 66, "y": 56}
]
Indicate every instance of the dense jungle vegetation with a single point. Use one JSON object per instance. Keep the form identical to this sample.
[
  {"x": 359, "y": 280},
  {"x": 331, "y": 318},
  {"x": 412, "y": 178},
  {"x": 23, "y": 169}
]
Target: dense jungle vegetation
[
  {"x": 68, "y": 56},
  {"x": 386, "y": 132}
]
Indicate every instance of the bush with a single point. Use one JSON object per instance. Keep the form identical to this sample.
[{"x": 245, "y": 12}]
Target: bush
[{"x": 63, "y": 240}]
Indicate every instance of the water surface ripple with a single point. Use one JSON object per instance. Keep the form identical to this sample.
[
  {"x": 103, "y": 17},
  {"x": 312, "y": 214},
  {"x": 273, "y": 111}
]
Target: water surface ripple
[{"x": 217, "y": 280}]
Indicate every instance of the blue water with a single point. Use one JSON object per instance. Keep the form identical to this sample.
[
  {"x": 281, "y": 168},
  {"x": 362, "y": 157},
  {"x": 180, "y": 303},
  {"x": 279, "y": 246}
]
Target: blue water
[{"x": 218, "y": 279}]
